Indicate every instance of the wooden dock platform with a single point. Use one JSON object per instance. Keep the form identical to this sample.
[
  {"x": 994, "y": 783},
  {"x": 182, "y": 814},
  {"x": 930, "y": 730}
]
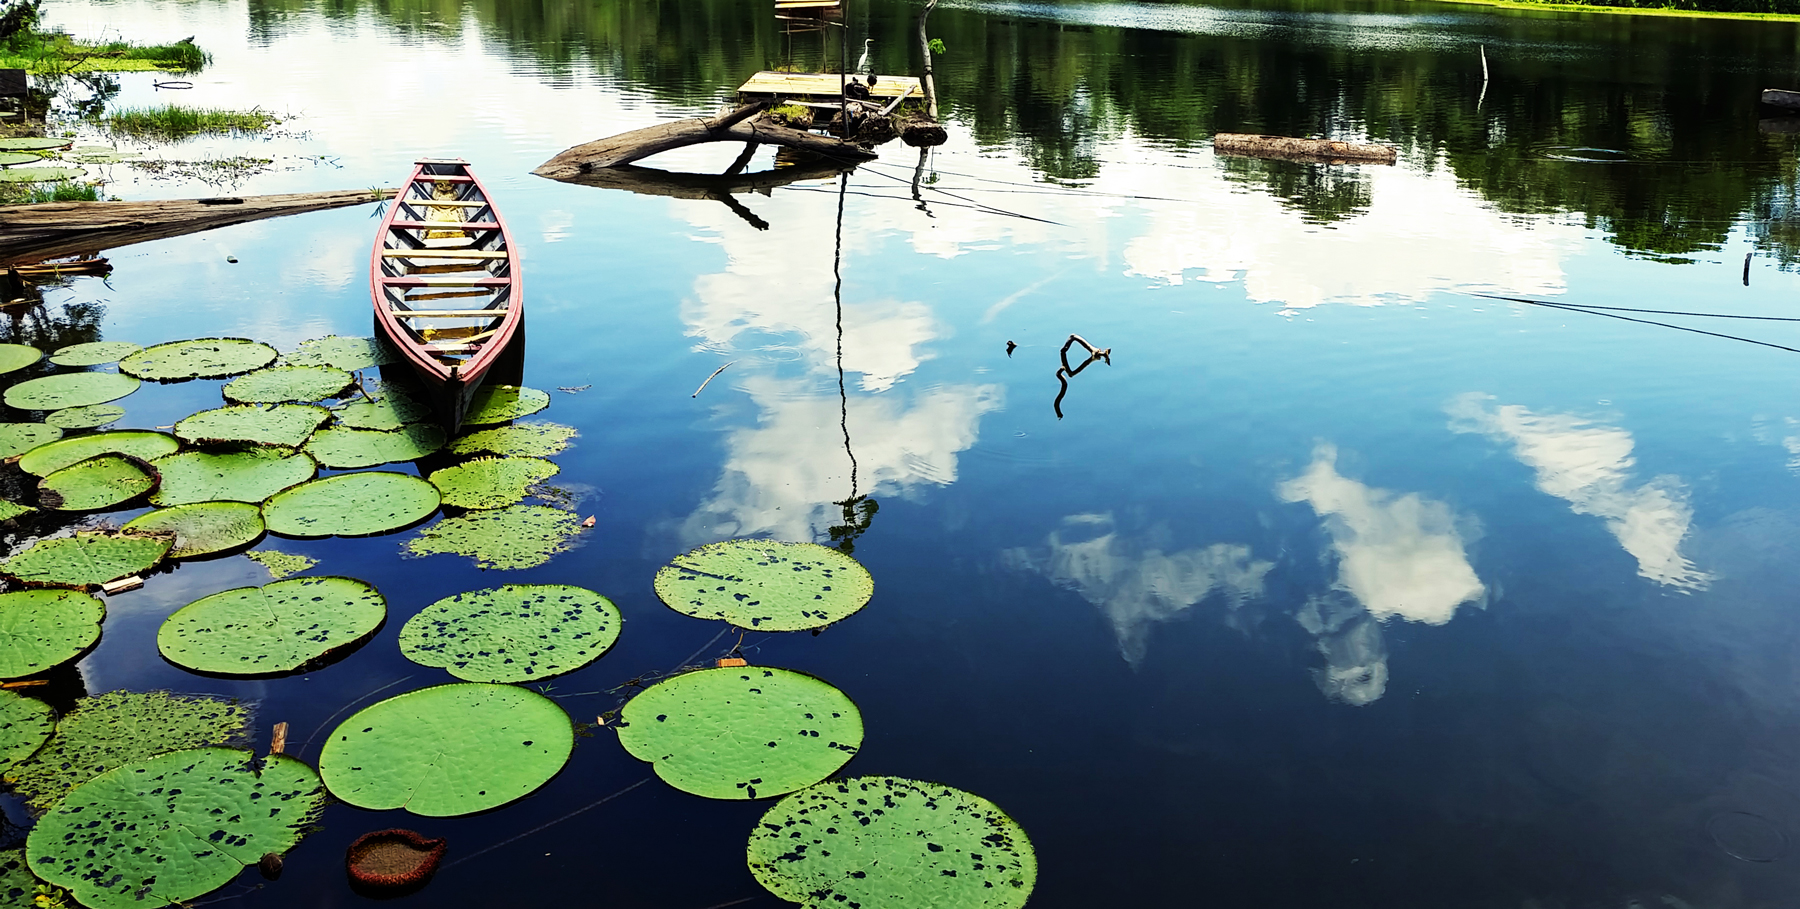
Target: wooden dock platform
[{"x": 823, "y": 86}]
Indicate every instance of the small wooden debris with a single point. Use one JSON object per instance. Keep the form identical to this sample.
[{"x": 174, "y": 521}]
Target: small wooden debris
[
  {"x": 732, "y": 662},
  {"x": 1316, "y": 151},
  {"x": 25, "y": 683},
  {"x": 278, "y": 742},
  {"x": 130, "y": 582},
  {"x": 589, "y": 522}
]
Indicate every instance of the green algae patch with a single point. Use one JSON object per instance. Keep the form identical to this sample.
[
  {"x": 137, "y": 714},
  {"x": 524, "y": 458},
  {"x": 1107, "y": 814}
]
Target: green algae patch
[
  {"x": 87, "y": 559},
  {"x": 502, "y": 403},
  {"x": 276, "y": 628},
  {"x": 117, "y": 728},
  {"x": 514, "y": 633},
  {"x": 742, "y": 732},
  {"x": 69, "y": 389},
  {"x": 204, "y": 358},
  {"x": 348, "y": 354},
  {"x": 19, "y": 438},
  {"x": 350, "y": 505},
  {"x": 53, "y": 456},
  {"x": 280, "y": 384},
  {"x": 489, "y": 745},
  {"x": 343, "y": 449},
  {"x": 765, "y": 585},
  {"x": 40, "y": 629},
  {"x": 491, "y": 482},
  {"x": 287, "y": 425},
  {"x": 94, "y": 353},
  {"x": 522, "y": 440},
  {"x": 93, "y": 416},
  {"x": 14, "y": 357},
  {"x": 100, "y": 482},
  {"x": 518, "y": 536},
  {"x": 202, "y": 528},
  {"x": 251, "y": 475},
  {"x": 281, "y": 564},
  {"x": 25, "y": 725}
]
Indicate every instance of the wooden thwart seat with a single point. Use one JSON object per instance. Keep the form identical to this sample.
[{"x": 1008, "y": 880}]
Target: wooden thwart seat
[
  {"x": 426, "y": 252},
  {"x": 432, "y": 281},
  {"x": 448, "y": 313}
]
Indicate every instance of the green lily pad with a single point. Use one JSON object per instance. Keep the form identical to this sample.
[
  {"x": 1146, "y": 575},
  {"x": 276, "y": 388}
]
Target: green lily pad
[
  {"x": 102, "y": 481},
  {"x": 281, "y": 564},
  {"x": 491, "y": 482},
  {"x": 275, "y": 628},
  {"x": 51, "y": 457},
  {"x": 10, "y": 510},
  {"x": 14, "y": 357},
  {"x": 490, "y": 744},
  {"x": 203, "y": 528},
  {"x": 69, "y": 389},
  {"x": 349, "y": 354},
  {"x": 101, "y": 155},
  {"x": 350, "y": 505},
  {"x": 524, "y": 440},
  {"x": 18, "y": 438},
  {"x": 25, "y": 724},
  {"x": 173, "y": 827},
  {"x": 518, "y": 536},
  {"x": 251, "y": 475},
  {"x": 388, "y": 411},
  {"x": 342, "y": 449},
  {"x": 742, "y": 733},
  {"x": 515, "y": 633},
  {"x": 94, "y": 353},
  {"x": 891, "y": 842},
  {"x": 205, "y": 358},
  {"x": 33, "y": 143},
  {"x": 500, "y": 403},
  {"x": 765, "y": 585},
  {"x": 90, "y": 417},
  {"x": 86, "y": 559},
  {"x": 17, "y": 886},
  {"x": 9, "y": 158},
  {"x": 288, "y": 425},
  {"x": 44, "y": 628},
  {"x": 117, "y": 728},
  {"x": 277, "y": 384},
  {"x": 39, "y": 174}
]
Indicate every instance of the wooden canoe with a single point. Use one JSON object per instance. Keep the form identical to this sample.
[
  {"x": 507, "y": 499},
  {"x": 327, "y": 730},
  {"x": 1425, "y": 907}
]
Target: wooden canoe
[{"x": 446, "y": 282}]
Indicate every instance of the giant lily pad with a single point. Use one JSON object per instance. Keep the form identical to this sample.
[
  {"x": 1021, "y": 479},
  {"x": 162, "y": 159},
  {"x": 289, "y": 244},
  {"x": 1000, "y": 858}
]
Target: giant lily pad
[
  {"x": 69, "y": 389},
  {"x": 116, "y": 728},
  {"x": 203, "y": 528},
  {"x": 48, "y": 459},
  {"x": 765, "y": 585},
  {"x": 33, "y": 143},
  {"x": 16, "y": 884},
  {"x": 518, "y": 536},
  {"x": 891, "y": 842},
  {"x": 18, "y": 438},
  {"x": 9, "y": 158},
  {"x": 391, "y": 410},
  {"x": 14, "y": 357},
  {"x": 742, "y": 733},
  {"x": 489, "y": 745},
  {"x": 349, "y": 354},
  {"x": 288, "y": 425},
  {"x": 350, "y": 505},
  {"x": 206, "y": 358},
  {"x": 87, "y": 559},
  {"x": 173, "y": 827},
  {"x": 500, "y": 403},
  {"x": 39, "y": 174},
  {"x": 102, "y": 481},
  {"x": 25, "y": 724},
  {"x": 515, "y": 633},
  {"x": 89, "y": 417},
  {"x": 10, "y": 510},
  {"x": 234, "y": 476},
  {"x": 281, "y": 564},
  {"x": 275, "y": 628},
  {"x": 277, "y": 384},
  {"x": 343, "y": 449},
  {"x": 44, "y": 628},
  {"x": 94, "y": 353},
  {"x": 491, "y": 482},
  {"x": 525, "y": 440}
]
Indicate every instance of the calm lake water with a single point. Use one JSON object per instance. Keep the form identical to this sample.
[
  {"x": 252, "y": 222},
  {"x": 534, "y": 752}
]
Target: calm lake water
[{"x": 1340, "y": 586}]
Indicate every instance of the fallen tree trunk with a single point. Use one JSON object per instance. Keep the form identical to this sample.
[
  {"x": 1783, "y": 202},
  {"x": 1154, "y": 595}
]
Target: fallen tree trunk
[
  {"x": 736, "y": 126},
  {"x": 1317, "y": 151},
  {"x": 719, "y": 188},
  {"x": 33, "y": 233}
]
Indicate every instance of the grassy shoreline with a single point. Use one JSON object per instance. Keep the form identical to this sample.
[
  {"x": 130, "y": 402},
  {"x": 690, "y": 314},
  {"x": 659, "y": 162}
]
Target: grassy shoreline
[{"x": 1554, "y": 7}]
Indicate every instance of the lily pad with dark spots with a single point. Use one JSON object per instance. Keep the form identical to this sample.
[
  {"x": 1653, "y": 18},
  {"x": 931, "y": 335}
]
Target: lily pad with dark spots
[
  {"x": 491, "y": 482},
  {"x": 349, "y": 354},
  {"x": 94, "y": 353},
  {"x": 18, "y": 438},
  {"x": 524, "y": 440},
  {"x": 517, "y": 536},
  {"x": 17, "y": 886},
  {"x": 765, "y": 585},
  {"x": 40, "y": 629},
  {"x": 279, "y": 384},
  {"x": 275, "y": 628},
  {"x": 39, "y": 174},
  {"x": 350, "y": 505},
  {"x": 515, "y": 633},
  {"x": 87, "y": 559},
  {"x": 203, "y": 528},
  {"x": 92, "y": 416},
  {"x": 500, "y": 403},
  {"x": 343, "y": 449},
  {"x": 102, "y": 481},
  {"x": 251, "y": 475},
  {"x": 203, "y": 358},
  {"x": 388, "y": 411},
  {"x": 25, "y": 724},
  {"x": 287, "y": 425},
  {"x": 69, "y": 389},
  {"x": 10, "y": 510},
  {"x": 53, "y": 456},
  {"x": 14, "y": 357},
  {"x": 281, "y": 564}
]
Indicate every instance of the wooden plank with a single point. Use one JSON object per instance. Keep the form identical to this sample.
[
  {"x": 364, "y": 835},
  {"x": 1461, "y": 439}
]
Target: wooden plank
[
  {"x": 448, "y": 313},
  {"x": 825, "y": 85},
  {"x": 809, "y": 4},
  {"x": 446, "y": 203},
  {"x": 427, "y": 179},
  {"x": 448, "y": 294},
  {"x": 30, "y": 233},
  {"x": 469, "y": 343},
  {"x": 1320, "y": 151},
  {"x": 448, "y": 225},
  {"x": 426, "y": 252},
  {"x": 427, "y": 281}
]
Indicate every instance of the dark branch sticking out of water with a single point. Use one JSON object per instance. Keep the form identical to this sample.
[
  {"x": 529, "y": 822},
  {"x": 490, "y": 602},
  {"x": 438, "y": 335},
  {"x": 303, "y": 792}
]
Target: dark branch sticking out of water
[{"x": 1064, "y": 373}]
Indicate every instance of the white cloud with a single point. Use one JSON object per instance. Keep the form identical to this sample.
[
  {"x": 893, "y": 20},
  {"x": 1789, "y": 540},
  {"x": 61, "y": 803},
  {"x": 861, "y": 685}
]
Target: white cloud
[{"x": 1350, "y": 640}]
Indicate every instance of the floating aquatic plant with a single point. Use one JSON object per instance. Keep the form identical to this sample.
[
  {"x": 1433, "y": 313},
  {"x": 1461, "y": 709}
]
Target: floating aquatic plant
[
  {"x": 489, "y": 745},
  {"x": 278, "y": 384},
  {"x": 275, "y": 628},
  {"x": 526, "y": 440},
  {"x": 69, "y": 389},
  {"x": 117, "y": 728},
  {"x": 891, "y": 842},
  {"x": 287, "y": 425},
  {"x": 204, "y": 358},
  {"x": 51, "y": 457},
  {"x": 102, "y": 481},
  {"x": 491, "y": 482},
  {"x": 25, "y": 724},
  {"x": 40, "y": 629},
  {"x": 173, "y": 827},
  {"x": 343, "y": 449},
  {"x": 14, "y": 357},
  {"x": 16, "y": 884},
  {"x": 742, "y": 733},
  {"x": 18, "y": 438},
  {"x": 10, "y": 510},
  {"x": 281, "y": 564},
  {"x": 500, "y": 403},
  {"x": 32, "y": 143},
  {"x": 87, "y": 559},
  {"x": 251, "y": 475},
  {"x": 349, "y": 354},
  {"x": 350, "y": 505},
  {"x": 518, "y": 536},
  {"x": 90, "y": 417},
  {"x": 203, "y": 528},
  {"x": 386, "y": 412},
  {"x": 765, "y": 585},
  {"x": 40, "y": 174},
  {"x": 94, "y": 353},
  {"x": 515, "y": 633}
]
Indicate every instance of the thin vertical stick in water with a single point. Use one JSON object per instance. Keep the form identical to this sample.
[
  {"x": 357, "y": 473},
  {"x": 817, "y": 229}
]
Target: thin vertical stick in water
[
  {"x": 1484, "y": 77},
  {"x": 1746, "y": 269},
  {"x": 715, "y": 374}
]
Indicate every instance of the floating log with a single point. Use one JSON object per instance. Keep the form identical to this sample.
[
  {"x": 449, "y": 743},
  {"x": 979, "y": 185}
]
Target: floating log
[
  {"x": 736, "y": 126},
  {"x": 1315, "y": 151},
  {"x": 33, "y": 233},
  {"x": 1786, "y": 100}
]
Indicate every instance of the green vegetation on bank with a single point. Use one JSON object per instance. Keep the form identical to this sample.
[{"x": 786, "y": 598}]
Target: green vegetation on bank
[
  {"x": 173, "y": 121},
  {"x": 1765, "y": 10},
  {"x": 24, "y": 46},
  {"x": 60, "y": 191}
]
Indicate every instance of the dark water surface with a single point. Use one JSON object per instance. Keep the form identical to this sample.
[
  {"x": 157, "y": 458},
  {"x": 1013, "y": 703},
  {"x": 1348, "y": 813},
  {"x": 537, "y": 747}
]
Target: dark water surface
[{"x": 1340, "y": 586}]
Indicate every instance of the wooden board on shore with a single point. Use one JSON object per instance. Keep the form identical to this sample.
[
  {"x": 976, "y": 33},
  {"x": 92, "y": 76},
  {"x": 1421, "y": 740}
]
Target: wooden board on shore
[
  {"x": 823, "y": 86},
  {"x": 1315, "y": 151},
  {"x": 33, "y": 233},
  {"x": 1782, "y": 98}
]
